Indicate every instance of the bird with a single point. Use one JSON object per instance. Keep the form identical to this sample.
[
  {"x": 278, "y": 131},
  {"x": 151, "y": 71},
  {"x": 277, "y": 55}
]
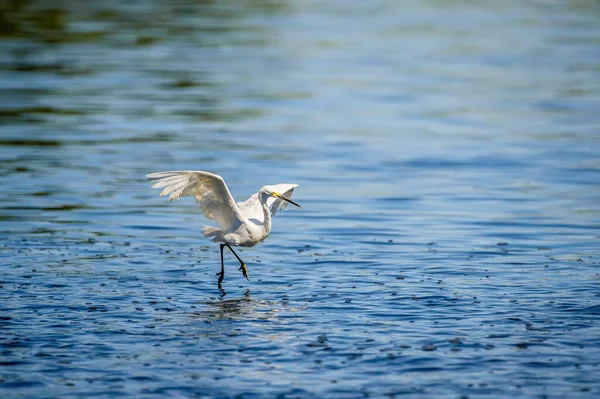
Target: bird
[{"x": 242, "y": 224}]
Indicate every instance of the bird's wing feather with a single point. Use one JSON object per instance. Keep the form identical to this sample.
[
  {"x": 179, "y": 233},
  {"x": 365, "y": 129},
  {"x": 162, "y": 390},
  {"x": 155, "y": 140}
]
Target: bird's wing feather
[
  {"x": 209, "y": 190},
  {"x": 252, "y": 209}
]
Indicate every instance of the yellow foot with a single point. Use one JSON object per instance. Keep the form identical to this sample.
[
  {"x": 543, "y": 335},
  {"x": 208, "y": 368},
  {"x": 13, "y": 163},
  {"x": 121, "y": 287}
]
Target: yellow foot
[{"x": 244, "y": 270}]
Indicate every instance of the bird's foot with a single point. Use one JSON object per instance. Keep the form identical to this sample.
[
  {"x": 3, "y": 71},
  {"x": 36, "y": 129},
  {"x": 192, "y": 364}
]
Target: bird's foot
[{"x": 244, "y": 270}]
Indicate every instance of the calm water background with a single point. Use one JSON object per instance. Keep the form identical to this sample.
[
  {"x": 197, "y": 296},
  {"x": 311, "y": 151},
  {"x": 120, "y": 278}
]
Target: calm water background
[{"x": 448, "y": 160}]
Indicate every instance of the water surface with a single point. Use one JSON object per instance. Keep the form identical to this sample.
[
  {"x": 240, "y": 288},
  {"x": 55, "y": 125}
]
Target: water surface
[{"x": 448, "y": 161}]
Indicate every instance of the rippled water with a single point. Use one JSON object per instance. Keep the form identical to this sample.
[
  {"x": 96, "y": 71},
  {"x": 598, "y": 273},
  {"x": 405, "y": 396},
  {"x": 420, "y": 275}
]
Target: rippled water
[{"x": 448, "y": 161}]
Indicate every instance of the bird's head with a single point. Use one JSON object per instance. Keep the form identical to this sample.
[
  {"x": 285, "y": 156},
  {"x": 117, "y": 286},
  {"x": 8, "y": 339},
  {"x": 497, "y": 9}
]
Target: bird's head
[{"x": 268, "y": 191}]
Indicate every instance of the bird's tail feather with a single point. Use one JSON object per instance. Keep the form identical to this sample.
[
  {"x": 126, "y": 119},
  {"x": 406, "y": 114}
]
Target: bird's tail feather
[{"x": 209, "y": 231}]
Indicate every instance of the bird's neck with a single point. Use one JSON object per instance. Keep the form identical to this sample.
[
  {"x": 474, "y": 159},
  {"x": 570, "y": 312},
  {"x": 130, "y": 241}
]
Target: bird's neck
[{"x": 267, "y": 213}]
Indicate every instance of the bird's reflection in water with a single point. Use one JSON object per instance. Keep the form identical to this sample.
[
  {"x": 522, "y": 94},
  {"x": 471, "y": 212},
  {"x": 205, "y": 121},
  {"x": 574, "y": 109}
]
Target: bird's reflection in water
[
  {"x": 220, "y": 309},
  {"x": 243, "y": 307}
]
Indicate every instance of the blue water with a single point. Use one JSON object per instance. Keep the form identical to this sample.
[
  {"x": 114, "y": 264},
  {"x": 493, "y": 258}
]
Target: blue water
[{"x": 448, "y": 157}]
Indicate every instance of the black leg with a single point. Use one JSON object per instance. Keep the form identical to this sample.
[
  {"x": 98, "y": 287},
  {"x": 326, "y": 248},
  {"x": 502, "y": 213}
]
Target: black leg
[
  {"x": 221, "y": 274},
  {"x": 236, "y": 255},
  {"x": 242, "y": 264}
]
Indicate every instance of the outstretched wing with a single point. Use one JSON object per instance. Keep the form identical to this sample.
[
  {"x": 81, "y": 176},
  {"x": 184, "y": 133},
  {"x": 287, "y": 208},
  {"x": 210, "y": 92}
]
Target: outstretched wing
[{"x": 209, "y": 190}]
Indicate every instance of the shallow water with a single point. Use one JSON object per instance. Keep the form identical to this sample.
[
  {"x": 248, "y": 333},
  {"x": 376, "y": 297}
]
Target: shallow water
[{"x": 448, "y": 161}]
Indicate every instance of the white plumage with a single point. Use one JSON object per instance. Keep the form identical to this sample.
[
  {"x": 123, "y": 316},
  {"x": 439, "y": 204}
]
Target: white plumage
[{"x": 240, "y": 224}]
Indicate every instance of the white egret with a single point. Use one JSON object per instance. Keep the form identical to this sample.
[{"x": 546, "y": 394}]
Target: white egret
[{"x": 239, "y": 224}]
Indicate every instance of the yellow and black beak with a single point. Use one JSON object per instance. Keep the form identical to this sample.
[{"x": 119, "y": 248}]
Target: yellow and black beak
[{"x": 274, "y": 194}]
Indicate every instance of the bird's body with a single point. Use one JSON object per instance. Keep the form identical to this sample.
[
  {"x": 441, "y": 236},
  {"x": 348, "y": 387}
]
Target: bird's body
[{"x": 242, "y": 224}]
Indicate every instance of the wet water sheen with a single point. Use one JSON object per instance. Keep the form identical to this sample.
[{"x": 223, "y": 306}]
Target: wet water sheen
[{"x": 448, "y": 160}]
